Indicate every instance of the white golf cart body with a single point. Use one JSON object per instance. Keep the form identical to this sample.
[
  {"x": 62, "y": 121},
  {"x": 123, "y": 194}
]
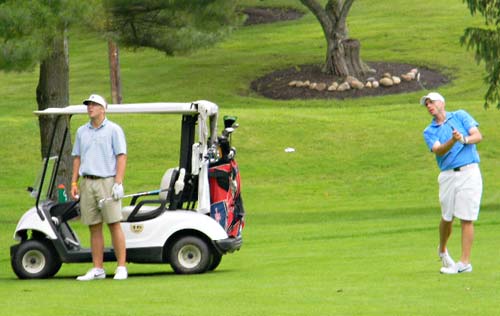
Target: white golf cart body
[{"x": 151, "y": 231}]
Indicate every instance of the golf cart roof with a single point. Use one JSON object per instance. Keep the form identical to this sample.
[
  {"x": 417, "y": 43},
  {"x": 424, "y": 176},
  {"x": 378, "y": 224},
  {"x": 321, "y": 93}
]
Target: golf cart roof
[{"x": 131, "y": 108}]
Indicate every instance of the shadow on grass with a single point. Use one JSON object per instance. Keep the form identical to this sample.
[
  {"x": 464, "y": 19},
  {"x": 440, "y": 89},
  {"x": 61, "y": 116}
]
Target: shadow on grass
[{"x": 110, "y": 276}]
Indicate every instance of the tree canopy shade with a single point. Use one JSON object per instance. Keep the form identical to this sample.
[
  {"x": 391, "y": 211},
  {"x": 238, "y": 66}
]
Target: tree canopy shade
[
  {"x": 171, "y": 26},
  {"x": 486, "y": 44},
  {"x": 342, "y": 53}
]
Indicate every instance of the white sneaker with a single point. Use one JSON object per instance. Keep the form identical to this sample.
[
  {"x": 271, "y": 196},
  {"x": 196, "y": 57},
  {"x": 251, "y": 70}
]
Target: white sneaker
[
  {"x": 460, "y": 267},
  {"x": 446, "y": 259},
  {"x": 463, "y": 268},
  {"x": 93, "y": 274},
  {"x": 121, "y": 273}
]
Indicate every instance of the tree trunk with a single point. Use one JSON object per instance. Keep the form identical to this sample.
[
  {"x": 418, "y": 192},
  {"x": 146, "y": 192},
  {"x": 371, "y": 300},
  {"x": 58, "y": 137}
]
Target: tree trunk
[
  {"x": 342, "y": 54},
  {"x": 343, "y": 58},
  {"x": 114, "y": 72},
  {"x": 53, "y": 91},
  {"x": 335, "y": 62}
]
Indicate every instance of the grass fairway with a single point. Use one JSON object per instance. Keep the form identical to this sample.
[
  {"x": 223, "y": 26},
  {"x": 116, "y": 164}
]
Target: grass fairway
[{"x": 345, "y": 225}]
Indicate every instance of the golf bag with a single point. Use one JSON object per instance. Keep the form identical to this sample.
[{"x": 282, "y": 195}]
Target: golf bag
[{"x": 225, "y": 197}]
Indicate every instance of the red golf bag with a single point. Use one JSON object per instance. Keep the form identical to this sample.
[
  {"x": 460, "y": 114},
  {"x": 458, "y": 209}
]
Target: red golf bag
[{"x": 225, "y": 197}]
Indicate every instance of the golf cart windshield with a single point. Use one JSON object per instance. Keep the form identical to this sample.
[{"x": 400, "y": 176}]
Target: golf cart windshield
[{"x": 47, "y": 171}]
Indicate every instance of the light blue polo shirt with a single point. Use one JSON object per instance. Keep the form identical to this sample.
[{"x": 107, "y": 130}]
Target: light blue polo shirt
[
  {"x": 460, "y": 154},
  {"x": 98, "y": 148}
]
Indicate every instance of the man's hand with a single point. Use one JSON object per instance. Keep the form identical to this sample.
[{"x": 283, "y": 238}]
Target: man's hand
[
  {"x": 74, "y": 191},
  {"x": 117, "y": 191},
  {"x": 459, "y": 137},
  {"x": 441, "y": 149}
]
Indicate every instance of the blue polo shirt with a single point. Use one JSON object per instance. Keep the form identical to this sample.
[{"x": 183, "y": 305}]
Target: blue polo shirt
[
  {"x": 98, "y": 148},
  {"x": 460, "y": 154}
]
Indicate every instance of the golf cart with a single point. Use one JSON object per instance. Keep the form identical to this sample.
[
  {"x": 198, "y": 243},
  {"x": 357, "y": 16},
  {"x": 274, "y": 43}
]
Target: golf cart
[{"x": 190, "y": 222}]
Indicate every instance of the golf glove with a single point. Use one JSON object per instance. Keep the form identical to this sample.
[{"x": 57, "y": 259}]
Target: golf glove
[
  {"x": 462, "y": 140},
  {"x": 117, "y": 191}
]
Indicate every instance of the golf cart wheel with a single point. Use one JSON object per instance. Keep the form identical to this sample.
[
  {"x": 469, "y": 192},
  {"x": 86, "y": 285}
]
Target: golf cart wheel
[
  {"x": 215, "y": 261},
  {"x": 190, "y": 255},
  {"x": 35, "y": 259}
]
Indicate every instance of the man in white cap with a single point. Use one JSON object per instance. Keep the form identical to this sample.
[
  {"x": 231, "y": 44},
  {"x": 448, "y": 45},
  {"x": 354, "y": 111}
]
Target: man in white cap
[
  {"x": 100, "y": 157},
  {"x": 452, "y": 137}
]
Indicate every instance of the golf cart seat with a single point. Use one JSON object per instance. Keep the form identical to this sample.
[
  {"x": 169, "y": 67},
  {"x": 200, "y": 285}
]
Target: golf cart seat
[
  {"x": 60, "y": 214},
  {"x": 150, "y": 208}
]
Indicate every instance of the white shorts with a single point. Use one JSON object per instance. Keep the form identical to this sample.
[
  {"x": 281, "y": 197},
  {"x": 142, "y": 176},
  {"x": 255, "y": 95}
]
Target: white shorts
[{"x": 460, "y": 193}]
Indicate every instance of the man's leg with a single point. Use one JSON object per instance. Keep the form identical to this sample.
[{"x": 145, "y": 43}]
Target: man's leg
[
  {"x": 118, "y": 239},
  {"x": 97, "y": 249},
  {"x": 467, "y": 239},
  {"x": 445, "y": 228},
  {"x": 97, "y": 245}
]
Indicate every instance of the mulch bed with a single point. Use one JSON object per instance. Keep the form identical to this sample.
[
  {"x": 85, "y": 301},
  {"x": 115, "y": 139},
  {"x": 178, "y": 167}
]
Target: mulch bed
[
  {"x": 275, "y": 84},
  {"x": 262, "y": 15}
]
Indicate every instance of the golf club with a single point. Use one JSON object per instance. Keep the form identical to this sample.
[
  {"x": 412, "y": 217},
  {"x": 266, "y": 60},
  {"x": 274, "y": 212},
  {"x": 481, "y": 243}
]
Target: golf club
[
  {"x": 449, "y": 124},
  {"x": 419, "y": 82},
  {"x": 447, "y": 120},
  {"x": 101, "y": 201}
]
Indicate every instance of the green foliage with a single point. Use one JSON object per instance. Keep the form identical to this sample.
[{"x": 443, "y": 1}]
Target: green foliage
[
  {"x": 28, "y": 27},
  {"x": 485, "y": 42},
  {"x": 171, "y": 26},
  {"x": 489, "y": 9}
]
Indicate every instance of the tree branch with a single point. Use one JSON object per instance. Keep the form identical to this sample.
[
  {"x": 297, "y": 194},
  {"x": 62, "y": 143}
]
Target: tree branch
[{"x": 319, "y": 13}]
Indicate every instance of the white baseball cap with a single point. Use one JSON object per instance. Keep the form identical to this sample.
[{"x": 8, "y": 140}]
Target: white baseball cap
[
  {"x": 96, "y": 99},
  {"x": 433, "y": 96}
]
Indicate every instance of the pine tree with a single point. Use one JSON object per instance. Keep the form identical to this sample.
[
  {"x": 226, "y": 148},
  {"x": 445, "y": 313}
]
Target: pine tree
[
  {"x": 171, "y": 26},
  {"x": 485, "y": 41}
]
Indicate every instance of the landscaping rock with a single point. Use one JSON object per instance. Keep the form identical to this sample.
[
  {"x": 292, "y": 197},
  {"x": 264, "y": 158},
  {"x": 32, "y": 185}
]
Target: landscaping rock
[
  {"x": 321, "y": 86},
  {"x": 350, "y": 79},
  {"x": 407, "y": 77},
  {"x": 344, "y": 86},
  {"x": 396, "y": 80},
  {"x": 386, "y": 82},
  {"x": 333, "y": 86},
  {"x": 356, "y": 84}
]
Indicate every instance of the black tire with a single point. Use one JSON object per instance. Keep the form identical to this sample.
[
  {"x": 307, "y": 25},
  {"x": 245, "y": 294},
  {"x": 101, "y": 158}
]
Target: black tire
[
  {"x": 190, "y": 255},
  {"x": 214, "y": 261},
  {"x": 35, "y": 259}
]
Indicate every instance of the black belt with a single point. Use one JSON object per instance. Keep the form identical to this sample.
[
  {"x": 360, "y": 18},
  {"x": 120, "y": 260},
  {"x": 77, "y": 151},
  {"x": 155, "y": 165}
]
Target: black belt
[
  {"x": 92, "y": 177},
  {"x": 461, "y": 168}
]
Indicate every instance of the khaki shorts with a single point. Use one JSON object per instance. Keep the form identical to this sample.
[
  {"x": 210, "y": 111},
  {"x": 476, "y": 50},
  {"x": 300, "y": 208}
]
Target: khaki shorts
[
  {"x": 460, "y": 193},
  {"x": 91, "y": 192}
]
